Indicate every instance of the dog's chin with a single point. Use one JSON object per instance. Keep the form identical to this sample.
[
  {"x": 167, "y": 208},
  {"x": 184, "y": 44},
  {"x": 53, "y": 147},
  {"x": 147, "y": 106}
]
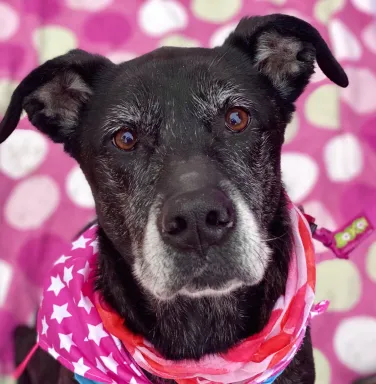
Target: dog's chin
[
  {"x": 195, "y": 282},
  {"x": 197, "y": 289}
]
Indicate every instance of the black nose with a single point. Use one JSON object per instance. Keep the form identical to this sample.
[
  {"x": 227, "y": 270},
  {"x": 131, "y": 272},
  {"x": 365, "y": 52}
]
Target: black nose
[{"x": 196, "y": 220}]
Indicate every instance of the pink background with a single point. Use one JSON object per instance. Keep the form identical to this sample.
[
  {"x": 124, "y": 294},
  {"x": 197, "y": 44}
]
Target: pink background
[{"x": 328, "y": 162}]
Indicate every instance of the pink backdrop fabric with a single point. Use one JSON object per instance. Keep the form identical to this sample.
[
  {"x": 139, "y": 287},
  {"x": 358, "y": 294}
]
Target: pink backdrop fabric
[{"x": 329, "y": 158}]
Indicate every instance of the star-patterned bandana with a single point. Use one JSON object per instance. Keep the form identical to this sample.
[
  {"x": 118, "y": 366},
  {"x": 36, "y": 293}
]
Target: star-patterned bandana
[{"x": 78, "y": 329}]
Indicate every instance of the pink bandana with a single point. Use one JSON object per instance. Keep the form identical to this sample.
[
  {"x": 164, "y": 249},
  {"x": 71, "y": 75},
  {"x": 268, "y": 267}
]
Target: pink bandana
[{"x": 87, "y": 337}]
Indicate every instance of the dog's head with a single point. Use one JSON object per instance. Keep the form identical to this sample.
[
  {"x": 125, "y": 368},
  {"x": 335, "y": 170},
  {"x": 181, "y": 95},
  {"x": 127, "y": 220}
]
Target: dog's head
[{"x": 181, "y": 147}]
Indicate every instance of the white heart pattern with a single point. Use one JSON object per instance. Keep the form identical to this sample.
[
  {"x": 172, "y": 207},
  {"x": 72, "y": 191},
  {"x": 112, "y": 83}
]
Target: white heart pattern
[
  {"x": 369, "y": 36},
  {"x": 345, "y": 44},
  {"x": 343, "y": 158},
  {"x": 157, "y": 17},
  {"x": 22, "y": 153},
  {"x": 300, "y": 173},
  {"x": 360, "y": 94},
  {"x": 367, "y": 6}
]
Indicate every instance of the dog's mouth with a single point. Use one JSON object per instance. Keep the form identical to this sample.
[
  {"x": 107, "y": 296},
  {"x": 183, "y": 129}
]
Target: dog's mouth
[
  {"x": 194, "y": 290},
  {"x": 199, "y": 289},
  {"x": 206, "y": 280}
]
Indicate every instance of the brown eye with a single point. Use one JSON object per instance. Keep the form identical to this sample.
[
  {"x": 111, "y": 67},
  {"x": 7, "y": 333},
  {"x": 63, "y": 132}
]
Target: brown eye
[
  {"x": 237, "y": 119},
  {"x": 125, "y": 139}
]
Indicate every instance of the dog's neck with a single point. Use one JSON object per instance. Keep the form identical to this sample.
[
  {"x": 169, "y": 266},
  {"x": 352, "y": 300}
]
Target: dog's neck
[{"x": 188, "y": 328}]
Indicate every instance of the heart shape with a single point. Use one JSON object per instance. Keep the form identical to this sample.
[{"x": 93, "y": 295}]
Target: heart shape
[{"x": 345, "y": 44}]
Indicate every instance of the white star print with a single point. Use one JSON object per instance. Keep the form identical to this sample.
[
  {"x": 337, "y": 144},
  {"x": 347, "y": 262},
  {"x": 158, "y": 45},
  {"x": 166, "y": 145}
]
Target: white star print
[
  {"x": 66, "y": 341},
  {"x": 80, "y": 368},
  {"x": 60, "y": 312},
  {"x": 85, "y": 271},
  {"x": 80, "y": 243},
  {"x": 56, "y": 285},
  {"x": 44, "y": 326},
  {"x": 100, "y": 366},
  {"x": 138, "y": 373},
  {"x": 62, "y": 259},
  {"x": 68, "y": 275},
  {"x": 110, "y": 363},
  {"x": 53, "y": 353},
  {"x": 85, "y": 303},
  {"x": 96, "y": 333},
  {"x": 94, "y": 244},
  {"x": 116, "y": 341},
  {"x": 133, "y": 381}
]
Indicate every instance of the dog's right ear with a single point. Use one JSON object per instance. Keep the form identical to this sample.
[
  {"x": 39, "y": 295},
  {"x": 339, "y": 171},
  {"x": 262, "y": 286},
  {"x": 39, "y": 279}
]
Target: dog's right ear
[
  {"x": 54, "y": 94},
  {"x": 284, "y": 49}
]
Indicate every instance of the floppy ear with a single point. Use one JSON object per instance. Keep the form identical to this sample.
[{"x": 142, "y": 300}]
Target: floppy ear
[
  {"x": 284, "y": 49},
  {"x": 54, "y": 94}
]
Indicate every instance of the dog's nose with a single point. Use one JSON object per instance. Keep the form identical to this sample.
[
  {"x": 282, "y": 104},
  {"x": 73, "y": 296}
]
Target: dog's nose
[{"x": 197, "y": 219}]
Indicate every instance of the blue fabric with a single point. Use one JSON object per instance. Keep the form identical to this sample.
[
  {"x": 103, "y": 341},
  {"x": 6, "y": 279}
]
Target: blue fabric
[
  {"x": 84, "y": 380},
  {"x": 272, "y": 379}
]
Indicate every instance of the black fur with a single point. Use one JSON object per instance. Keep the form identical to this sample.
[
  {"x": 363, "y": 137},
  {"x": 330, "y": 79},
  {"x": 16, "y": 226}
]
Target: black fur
[{"x": 175, "y": 99}]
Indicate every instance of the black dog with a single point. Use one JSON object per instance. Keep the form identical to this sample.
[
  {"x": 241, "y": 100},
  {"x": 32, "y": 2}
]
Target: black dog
[{"x": 181, "y": 148}]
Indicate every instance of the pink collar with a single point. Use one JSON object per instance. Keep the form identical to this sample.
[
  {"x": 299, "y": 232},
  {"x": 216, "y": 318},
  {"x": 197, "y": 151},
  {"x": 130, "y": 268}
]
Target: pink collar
[{"x": 79, "y": 332}]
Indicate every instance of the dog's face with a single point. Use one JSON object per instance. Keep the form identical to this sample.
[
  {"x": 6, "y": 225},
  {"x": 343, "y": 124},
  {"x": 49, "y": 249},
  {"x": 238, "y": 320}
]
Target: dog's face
[
  {"x": 181, "y": 147},
  {"x": 184, "y": 157}
]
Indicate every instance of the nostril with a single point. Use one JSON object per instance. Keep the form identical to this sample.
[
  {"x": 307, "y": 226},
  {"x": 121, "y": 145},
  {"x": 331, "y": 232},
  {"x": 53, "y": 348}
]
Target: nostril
[
  {"x": 176, "y": 226},
  {"x": 218, "y": 218},
  {"x": 212, "y": 219}
]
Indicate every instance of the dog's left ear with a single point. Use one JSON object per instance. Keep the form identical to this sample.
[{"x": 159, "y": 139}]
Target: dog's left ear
[
  {"x": 55, "y": 93},
  {"x": 284, "y": 49}
]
